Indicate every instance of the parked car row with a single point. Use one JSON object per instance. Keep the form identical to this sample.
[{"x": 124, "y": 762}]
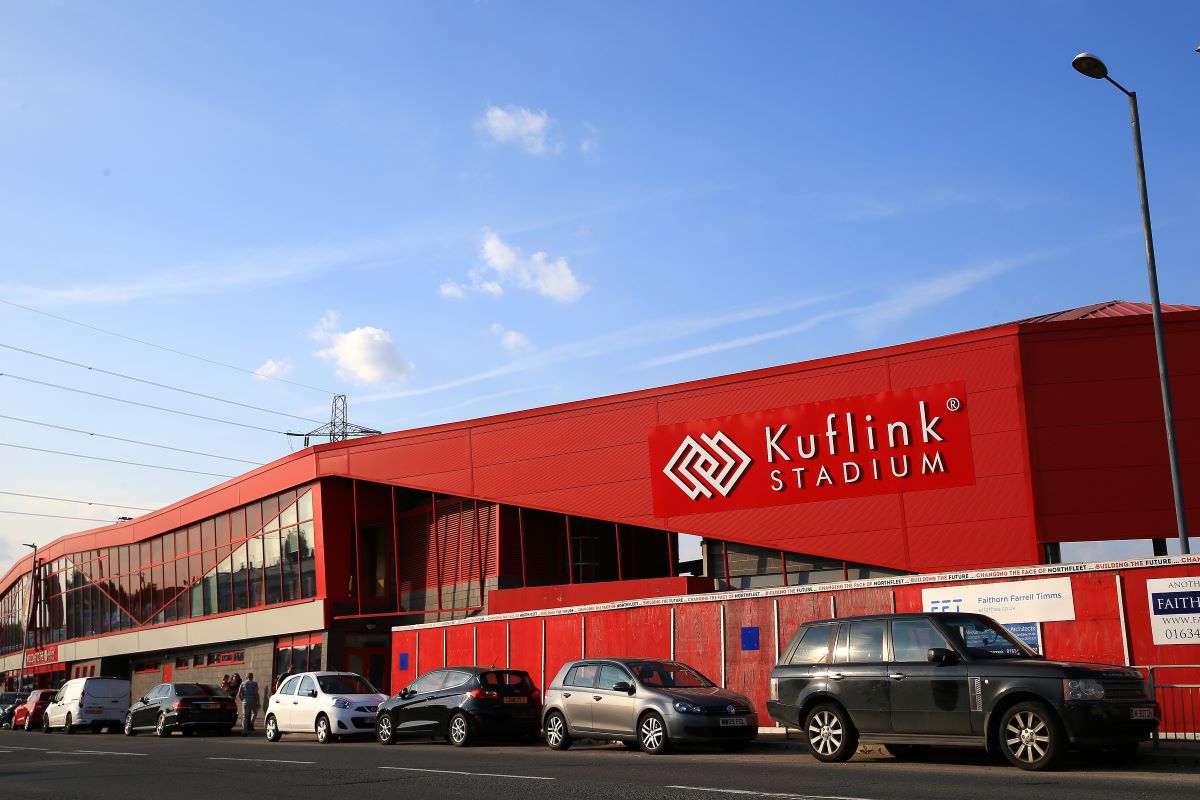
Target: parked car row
[{"x": 907, "y": 681}]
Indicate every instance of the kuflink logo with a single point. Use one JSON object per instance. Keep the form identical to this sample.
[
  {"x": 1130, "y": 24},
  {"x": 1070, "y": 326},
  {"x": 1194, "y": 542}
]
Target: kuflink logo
[{"x": 714, "y": 463}]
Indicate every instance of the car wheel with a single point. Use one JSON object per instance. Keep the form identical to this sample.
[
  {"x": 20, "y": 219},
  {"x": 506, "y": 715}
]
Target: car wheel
[
  {"x": 273, "y": 733},
  {"x": 160, "y": 728},
  {"x": 385, "y": 729},
  {"x": 556, "y": 731},
  {"x": 324, "y": 731},
  {"x": 829, "y": 733},
  {"x": 67, "y": 726},
  {"x": 45, "y": 723},
  {"x": 460, "y": 730},
  {"x": 652, "y": 734},
  {"x": 907, "y": 752},
  {"x": 1031, "y": 737},
  {"x": 129, "y": 731}
]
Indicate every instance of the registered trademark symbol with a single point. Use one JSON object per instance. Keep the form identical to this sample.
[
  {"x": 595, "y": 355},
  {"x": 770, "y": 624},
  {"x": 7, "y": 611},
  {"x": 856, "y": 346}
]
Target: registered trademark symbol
[{"x": 954, "y": 404}]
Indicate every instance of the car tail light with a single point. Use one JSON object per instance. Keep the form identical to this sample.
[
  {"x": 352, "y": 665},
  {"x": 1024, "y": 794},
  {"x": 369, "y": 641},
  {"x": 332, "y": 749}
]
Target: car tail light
[
  {"x": 485, "y": 694},
  {"x": 774, "y": 688},
  {"x": 181, "y": 704},
  {"x": 535, "y": 695}
]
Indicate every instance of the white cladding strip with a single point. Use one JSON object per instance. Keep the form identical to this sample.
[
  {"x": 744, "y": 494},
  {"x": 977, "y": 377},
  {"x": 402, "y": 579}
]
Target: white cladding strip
[{"x": 841, "y": 586}]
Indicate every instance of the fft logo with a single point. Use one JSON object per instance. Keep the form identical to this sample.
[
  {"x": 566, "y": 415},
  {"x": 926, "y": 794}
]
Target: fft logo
[{"x": 699, "y": 469}]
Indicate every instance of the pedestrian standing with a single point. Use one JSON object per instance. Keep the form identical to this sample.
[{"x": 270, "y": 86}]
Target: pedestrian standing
[
  {"x": 235, "y": 683},
  {"x": 225, "y": 684},
  {"x": 248, "y": 695}
]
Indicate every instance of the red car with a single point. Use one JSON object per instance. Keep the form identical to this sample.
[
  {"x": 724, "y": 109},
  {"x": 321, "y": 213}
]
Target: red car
[{"x": 28, "y": 715}]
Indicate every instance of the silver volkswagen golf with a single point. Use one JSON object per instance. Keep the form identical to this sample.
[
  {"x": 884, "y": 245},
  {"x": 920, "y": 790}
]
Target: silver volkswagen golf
[{"x": 644, "y": 702}]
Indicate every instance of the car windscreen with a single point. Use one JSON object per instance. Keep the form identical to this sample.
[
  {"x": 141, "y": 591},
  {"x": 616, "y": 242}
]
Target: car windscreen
[
  {"x": 984, "y": 638},
  {"x": 344, "y": 684},
  {"x": 668, "y": 675},
  {"x": 507, "y": 682}
]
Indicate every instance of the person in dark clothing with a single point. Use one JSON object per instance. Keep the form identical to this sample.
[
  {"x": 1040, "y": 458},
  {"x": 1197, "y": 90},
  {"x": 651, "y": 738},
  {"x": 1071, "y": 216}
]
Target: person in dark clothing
[{"x": 235, "y": 683}]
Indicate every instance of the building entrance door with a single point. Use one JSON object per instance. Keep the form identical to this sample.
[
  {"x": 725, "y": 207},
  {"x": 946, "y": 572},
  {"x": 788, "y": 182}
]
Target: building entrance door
[{"x": 372, "y": 664}]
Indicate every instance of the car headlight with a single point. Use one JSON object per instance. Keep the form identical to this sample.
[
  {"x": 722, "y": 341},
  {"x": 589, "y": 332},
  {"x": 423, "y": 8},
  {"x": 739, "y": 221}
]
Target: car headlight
[
  {"x": 341, "y": 702},
  {"x": 685, "y": 707},
  {"x": 1083, "y": 689}
]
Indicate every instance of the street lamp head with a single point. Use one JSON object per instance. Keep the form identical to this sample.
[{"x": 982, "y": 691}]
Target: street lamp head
[
  {"x": 1090, "y": 65},
  {"x": 34, "y": 546}
]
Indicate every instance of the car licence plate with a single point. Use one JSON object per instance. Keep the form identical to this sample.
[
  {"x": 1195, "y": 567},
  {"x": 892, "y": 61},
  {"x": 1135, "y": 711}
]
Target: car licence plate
[
  {"x": 1141, "y": 713},
  {"x": 733, "y": 722},
  {"x": 516, "y": 699},
  {"x": 210, "y": 705},
  {"x": 94, "y": 710}
]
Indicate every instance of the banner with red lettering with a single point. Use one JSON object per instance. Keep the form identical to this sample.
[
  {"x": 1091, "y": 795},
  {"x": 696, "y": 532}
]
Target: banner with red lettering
[{"x": 904, "y": 441}]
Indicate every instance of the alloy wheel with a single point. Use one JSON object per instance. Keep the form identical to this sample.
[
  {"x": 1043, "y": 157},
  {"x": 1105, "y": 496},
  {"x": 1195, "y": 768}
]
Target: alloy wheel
[
  {"x": 1027, "y": 737},
  {"x": 825, "y": 733},
  {"x": 556, "y": 732},
  {"x": 272, "y": 729},
  {"x": 324, "y": 734},
  {"x": 459, "y": 730},
  {"x": 384, "y": 730},
  {"x": 160, "y": 728},
  {"x": 652, "y": 733},
  {"x": 129, "y": 724}
]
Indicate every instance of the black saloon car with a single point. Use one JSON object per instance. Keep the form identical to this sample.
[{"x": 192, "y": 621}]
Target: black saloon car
[
  {"x": 186, "y": 707},
  {"x": 462, "y": 704},
  {"x": 913, "y": 680}
]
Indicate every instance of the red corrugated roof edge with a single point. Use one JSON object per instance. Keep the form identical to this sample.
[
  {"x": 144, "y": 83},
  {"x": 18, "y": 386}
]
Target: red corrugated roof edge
[{"x": 1111, "y": 308}]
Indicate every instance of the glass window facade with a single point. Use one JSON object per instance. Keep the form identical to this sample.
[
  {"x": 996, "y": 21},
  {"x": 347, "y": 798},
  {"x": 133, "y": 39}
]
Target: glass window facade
[{"x": 236, "y": 561}]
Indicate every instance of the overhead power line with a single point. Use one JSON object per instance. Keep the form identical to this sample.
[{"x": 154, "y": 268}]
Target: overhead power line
[
  {"x": 152, "y": 383},
  {"x": 131, "y": 441},
  {"x": 55, "y": 516},
  {"x": 113, "y": 460},
  {"x": 70, "y": 500},
  {"x": 164, "y": 348},
  {"x": 143, "y": 405}
]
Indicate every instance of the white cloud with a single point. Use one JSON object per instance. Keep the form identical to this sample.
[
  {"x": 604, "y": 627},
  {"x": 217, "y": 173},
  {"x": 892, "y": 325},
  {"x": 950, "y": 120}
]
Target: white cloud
[
  {"x": 512, "y": 341},
  {"x": 505, "y": 265},
  {"x": 517, "y": 125},
  {"x": 274, "y": 369},
  {"x": 364, "y": 355}
]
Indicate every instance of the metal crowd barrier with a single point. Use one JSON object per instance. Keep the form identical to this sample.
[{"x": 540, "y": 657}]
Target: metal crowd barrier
[{"x": 1179, "y": 704}]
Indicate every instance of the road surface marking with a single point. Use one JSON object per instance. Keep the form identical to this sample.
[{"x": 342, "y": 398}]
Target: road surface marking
[
  {"x": 475, "y": 774},
  {"x": 102, "y": 753},
  {"x": 271, "y": 760},
  {"x": 753, "y": 793}
]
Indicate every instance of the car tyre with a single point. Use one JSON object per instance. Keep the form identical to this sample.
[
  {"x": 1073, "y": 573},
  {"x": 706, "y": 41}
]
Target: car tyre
[
  {"x": 385, "y": 729},
  {"x": 67, "y": 726},
  {"x": 45, "y": 723},
  {"x": 272, "y": 727},
  {"x": 1030, "y": 736},
  {"x": 652, "y": 734},
  {"x": 557, "y": 736},
  {"x": 129, "y": 731},
  {"x": 460, "y": 730},
  {"x": 325, "y": 733},
  {"x": 160, "y": 727},
  {"x": 907, "y": 752},
  {"x": 829, "y": 733}
]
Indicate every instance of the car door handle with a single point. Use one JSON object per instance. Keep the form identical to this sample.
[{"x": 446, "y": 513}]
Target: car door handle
[
  {"x": 835, "y": 676},
  {"x": 897, "y": 676},
  {"x": 597, "y": 696},
  {"x": 566, "y": 694}
]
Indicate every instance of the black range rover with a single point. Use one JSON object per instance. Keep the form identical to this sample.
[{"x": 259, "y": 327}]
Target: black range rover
[{"x": 909, "y": 681}]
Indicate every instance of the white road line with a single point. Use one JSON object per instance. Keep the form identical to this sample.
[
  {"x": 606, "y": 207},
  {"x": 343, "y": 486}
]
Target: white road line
[
  {"x": 18, "y": 747},
  {"x": 753, "y": 793},
  {"x": 102, "y": 753},
  {"x": 473, "y": 774},
  {"x": 258, "y": 760}
]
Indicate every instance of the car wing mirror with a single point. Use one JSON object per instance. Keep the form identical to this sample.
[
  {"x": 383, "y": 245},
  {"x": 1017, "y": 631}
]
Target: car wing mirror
[
  {"x": 312, "y": 692},
  {"x": 940, "y": 655},
  {"x": 623, "y": 686}
]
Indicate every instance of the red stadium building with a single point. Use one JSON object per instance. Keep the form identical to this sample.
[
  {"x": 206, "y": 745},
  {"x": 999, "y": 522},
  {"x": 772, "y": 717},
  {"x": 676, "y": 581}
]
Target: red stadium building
[{"x": 978, "y": 450}]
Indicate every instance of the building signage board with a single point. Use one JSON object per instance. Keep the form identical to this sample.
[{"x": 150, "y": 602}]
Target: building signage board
[
  {"x": 1009, "y": 603},
  {"x": 884, "y": 443},
  {"x": 47, "y": 655},
  {"x": 1174, "y": 610}
]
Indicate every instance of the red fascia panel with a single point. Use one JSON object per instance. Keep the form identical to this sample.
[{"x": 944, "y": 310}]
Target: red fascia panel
[{"x": 501, "y": 601}]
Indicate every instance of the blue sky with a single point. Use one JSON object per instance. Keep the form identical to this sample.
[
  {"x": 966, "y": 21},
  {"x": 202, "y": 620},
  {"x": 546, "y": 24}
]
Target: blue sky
[{"x": 454, "y": 209}]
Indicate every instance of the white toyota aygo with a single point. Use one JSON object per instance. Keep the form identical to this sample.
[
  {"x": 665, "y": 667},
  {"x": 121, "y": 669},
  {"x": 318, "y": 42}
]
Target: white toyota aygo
[{"x": 329, "y": 704}]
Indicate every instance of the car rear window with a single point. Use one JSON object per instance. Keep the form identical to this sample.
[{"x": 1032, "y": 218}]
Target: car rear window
[
  {"x": 198, "y": 690},
  {"x": 99, "y": 688},
  {"x": 814, "y": 646},
  {"x": 507, "y": 682},
  {"x": 583, "y": 675}
]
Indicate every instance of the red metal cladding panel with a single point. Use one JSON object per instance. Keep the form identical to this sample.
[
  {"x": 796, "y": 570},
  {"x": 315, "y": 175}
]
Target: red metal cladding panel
[
  {"x": 1116, "y": 445},
  {"x": 627, "y": 501},
  {"x": 525, "y": 649},
  {"x": 698, "y": 637},
  {"x": 908, "y": 598},
  {"x": 590, "y": 467},
  {"x": 408, "y": 457},
  {"x": 885, "y": 548},
  {"x": 568, "y": 432},
  {"x": 983, "y": 366},
  {"x": 1132, "y": 488},
  {"x": 631, "y": 632},
  {"x": 1103, "y": 401},
  {"x": 749, "y": 644},
  {"x": 808, "y": 386},
  {"x": 814, "y": 519},
  {"x": 491, "y": 645},
  {"x": 863, "y": 601},
  {"x": 994, "y": 411},
  {"x": 1121, "y": 354},
  {"x": 795, "y": 610},
  {"x": 1001, "y": 453},
  {"x": 564, "y": 642},
  {"x": 404, "y": 643},
  {"x": 460, "y": 646},
  {"x": 431, "y": 653},
  {"x": 972, "y": 545},
  {"x": 1095, "y": 633},
  {"x": 1000, "y": 497},
  {"x": 1103, "y": 525}
]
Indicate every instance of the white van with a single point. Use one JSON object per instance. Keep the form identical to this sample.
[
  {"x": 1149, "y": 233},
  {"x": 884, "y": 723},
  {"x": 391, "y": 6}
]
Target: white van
[{"x": 88, "y": 702}]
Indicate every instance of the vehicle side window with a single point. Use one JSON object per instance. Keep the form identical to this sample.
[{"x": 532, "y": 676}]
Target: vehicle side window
[
  {"x": 307, "y": 685},
  {"x": 866, "y": 642},
  {"x": 611, "y": 674},
  {"x": 841, "y": 650},
  {"x": 430, "y": 682},
  {"x": 289, "y": 686},
  {"x": 455, "y": 678},
  {"x": 814, "y": 647},
  {"x": 160, "y": 692},
  {"x": 584, "y": 675},
  {"x": 912, "y": 638}
]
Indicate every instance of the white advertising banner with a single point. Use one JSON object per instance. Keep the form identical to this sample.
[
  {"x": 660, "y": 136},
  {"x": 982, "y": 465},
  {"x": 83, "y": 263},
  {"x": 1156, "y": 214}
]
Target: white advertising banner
[
  {"x": 1048, "y": 600},
  {"x": 1174, "y": 610}
]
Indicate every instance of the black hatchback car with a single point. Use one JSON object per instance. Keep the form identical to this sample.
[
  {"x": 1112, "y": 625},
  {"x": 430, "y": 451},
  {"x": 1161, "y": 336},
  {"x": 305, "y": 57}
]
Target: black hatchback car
[
  {"x": 909, "y": 681},
  {"x": 186, "y": 707},
  {"x": 462, "y": 704}
]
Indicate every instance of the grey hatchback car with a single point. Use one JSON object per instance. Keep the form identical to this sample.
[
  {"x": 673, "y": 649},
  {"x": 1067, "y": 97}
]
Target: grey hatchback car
[{"x": 644, "y": 702}]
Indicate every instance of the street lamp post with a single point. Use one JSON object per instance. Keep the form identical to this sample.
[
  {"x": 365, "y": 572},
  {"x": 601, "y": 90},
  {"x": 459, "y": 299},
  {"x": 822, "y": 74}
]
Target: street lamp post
[
  {"x": 28, "y": 617},
  {"x": 1091, "y": 66}
]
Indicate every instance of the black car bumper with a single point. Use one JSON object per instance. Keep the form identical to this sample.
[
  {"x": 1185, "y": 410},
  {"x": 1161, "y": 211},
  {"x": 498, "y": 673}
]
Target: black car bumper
[
  {"x": 712, "y": 728},
  {"x": 786, "y": 715},
  {"x": 1098, "y": 724},
  {"x": 202, "y": 719},
  {"x": 515, "y": 720}
]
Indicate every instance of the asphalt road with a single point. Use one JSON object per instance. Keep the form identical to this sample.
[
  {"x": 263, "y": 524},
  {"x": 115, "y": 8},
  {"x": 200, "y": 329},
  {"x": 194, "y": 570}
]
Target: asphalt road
[{"x": 102, "y": 766}]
